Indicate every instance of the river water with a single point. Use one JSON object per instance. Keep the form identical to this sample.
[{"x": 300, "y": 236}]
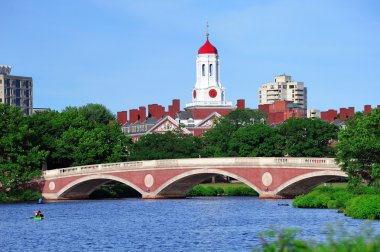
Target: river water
[{"x": 195, "y": 224}]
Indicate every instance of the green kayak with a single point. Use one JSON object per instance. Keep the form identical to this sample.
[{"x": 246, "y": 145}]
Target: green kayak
[{"x": 38, "y": 218}]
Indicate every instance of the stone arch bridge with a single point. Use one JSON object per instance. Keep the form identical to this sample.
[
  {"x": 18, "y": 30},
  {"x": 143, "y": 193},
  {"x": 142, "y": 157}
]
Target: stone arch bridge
[{"x": 173, "y": 178}]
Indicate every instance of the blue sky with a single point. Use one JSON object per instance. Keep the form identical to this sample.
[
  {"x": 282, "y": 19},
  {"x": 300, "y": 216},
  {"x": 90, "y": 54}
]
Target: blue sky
[{"x": 126, "y": 54}]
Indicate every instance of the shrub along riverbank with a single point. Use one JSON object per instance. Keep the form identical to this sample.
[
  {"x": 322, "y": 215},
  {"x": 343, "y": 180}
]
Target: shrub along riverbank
[
  {"x": 361, "y": 202},
  {"x": 221, "y": 189},
  {"x": 20, "y": 196},
  {"x": 362, "y": 240}
]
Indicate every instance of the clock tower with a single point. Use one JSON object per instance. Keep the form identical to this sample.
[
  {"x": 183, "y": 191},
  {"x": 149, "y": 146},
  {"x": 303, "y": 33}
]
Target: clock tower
[{"x": 208, "y": 93}]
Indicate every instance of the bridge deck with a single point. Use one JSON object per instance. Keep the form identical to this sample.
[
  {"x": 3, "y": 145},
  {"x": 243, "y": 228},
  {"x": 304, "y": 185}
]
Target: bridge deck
[{"x": 196, "y": 163}]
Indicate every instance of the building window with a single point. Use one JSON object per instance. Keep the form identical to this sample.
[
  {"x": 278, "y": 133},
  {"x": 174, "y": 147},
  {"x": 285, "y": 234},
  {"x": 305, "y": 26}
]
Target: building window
[
  {"x": 211, "y": 73},
  {"x": 203, "y": 70}
]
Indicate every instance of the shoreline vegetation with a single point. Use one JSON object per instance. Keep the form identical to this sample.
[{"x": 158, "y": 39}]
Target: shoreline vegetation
[
  {"x": 360, "y": 202},
  {"x": 280, "y": 239},
  {"x": 20, "y": 196},
  {"x": 221, "y": 189}
]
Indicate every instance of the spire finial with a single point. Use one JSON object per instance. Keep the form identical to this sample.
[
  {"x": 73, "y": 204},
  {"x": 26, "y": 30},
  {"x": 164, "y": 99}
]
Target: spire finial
[{"x": 207, "y": 29}]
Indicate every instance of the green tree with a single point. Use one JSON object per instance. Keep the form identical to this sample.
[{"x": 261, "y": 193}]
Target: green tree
[
  {"x": 97, "y": 113},
  {"x": 103, "y": 143},
  {"x": 45, "y": 132},
  {"x": 74, "y": 137},
  {"x": 20, "y": 161},
  {"x": 359, "y": 149},
  {"x": 166, "y": 146},
  {"x": 217, "y": 139},
  {"x": 257, "y": 140},
  {"x": 306, "y": 137}
]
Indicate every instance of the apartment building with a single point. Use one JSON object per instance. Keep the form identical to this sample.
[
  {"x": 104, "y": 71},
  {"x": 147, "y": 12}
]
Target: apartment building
[
  {"x": 16, "y": 90},
  {"x": 283, "y": 89}
]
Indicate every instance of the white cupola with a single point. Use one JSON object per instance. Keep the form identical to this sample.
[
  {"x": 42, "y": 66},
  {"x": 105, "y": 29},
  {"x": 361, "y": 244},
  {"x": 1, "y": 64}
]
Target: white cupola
[{"x": 207, "y": 90}]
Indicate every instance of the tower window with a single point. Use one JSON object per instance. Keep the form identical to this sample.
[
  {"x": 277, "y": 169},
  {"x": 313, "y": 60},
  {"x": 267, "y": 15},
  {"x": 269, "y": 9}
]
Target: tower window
[
  {"x": 211, "y": 73},
  {"x": 203, "y": 69}
]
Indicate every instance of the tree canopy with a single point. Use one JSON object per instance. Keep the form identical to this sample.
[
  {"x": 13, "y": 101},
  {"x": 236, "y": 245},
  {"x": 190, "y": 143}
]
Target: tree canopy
[
  {"x": 20, "y": 160},
  {"x": 216, "y": 140},
  {"x": 97, "y": 113},
  {"x": 166, "y": 146},
  {"x": 306, "y": 137},
  {"x": 257, "y": 140},
  {"x": 359, "y": 149},
  {"x": 78, "y": 136}
]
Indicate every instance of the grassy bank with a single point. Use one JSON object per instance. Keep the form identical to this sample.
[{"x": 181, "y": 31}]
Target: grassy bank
[
  {"x": 362, "y": 202},
  {"x": 221, "y": 189}
]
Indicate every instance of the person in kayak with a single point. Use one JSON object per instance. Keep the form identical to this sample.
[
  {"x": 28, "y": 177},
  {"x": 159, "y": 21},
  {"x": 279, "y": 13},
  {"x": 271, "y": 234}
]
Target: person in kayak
[{"x": 38, "y": 213}]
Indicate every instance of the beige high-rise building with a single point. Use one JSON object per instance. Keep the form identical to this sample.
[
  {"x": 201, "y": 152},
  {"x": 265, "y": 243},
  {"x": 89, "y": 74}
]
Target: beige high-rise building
[
  {"x": 16, "y": 90},
  {"x": 283, "y": 89}
]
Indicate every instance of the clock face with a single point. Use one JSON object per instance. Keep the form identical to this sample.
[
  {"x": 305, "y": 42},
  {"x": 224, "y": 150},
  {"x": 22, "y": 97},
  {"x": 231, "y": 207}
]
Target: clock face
[
  {"x": 212, "y": 93},
  {"x": 194, "y": 93}
]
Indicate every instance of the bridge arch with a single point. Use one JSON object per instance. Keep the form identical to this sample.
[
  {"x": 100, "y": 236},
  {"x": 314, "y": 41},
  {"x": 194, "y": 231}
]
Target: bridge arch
[
  {"x": 178, "y": 186},
  {"x": 81, "y": 188},
  {"x": 304, "y": 183}
]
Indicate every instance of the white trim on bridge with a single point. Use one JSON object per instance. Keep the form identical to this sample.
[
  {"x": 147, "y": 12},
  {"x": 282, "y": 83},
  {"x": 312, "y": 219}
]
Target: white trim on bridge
[{"x": 236, "y": 162}]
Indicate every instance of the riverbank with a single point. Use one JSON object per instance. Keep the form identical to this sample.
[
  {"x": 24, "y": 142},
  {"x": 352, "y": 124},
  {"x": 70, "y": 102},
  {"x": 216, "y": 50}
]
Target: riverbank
[
  {"x": 25, "y": 196},
  {"x": 360, "y": 203},
  {"x": 221, "y": 189}
]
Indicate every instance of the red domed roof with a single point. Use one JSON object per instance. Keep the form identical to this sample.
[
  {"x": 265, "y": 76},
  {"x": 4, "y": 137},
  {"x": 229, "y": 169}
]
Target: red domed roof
[{"x": 207, "y": 48}]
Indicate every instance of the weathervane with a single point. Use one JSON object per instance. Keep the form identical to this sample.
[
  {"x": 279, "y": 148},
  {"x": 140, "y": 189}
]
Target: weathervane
[{"x": 207, "y": 29}]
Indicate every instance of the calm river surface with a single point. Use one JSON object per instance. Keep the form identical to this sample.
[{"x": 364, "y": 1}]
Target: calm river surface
[{"x": 196, "y": 224}]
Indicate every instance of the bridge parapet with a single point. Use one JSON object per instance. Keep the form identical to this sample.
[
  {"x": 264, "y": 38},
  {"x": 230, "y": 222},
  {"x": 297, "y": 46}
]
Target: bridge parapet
[{"x": 273, "y": 162}]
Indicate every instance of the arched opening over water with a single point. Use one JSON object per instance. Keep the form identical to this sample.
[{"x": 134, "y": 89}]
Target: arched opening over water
[
  {"x": 305, "y": 183},
  {"x": 83, "y": 188},
  {"x": 179, "y": 186}
]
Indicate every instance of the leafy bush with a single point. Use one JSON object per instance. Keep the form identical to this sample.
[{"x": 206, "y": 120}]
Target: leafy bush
[
  {"x": 30, "y": 195},
  {"x": 313, "y": 199},
  {"x": 359, "y": 190},
  {"x": 364, "y": 207},
  {"x": 361, "y": 202},
  {"x": 276, "y": 239},
  {"x": 324, "y": 197},
  {"x": 284, "y": 240},
  {"x": 201, "y": 191},
  {"x": 18, "y": 196},
  {"x": 341, "y": 196},
  {"x": 204, "y": 191},
  {"x": 240, "y": 191}
]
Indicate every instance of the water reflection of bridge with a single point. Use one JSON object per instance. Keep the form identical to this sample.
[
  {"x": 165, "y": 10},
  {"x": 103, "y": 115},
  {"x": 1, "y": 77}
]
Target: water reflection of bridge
[{"x": 173, "y": 178}]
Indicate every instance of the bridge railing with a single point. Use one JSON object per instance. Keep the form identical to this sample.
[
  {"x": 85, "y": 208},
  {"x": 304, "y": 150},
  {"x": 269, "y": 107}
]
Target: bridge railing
[{"x": 271, "y": 162}]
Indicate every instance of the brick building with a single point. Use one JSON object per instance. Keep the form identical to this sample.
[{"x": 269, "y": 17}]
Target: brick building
[{"x": 279, "y": 111}]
